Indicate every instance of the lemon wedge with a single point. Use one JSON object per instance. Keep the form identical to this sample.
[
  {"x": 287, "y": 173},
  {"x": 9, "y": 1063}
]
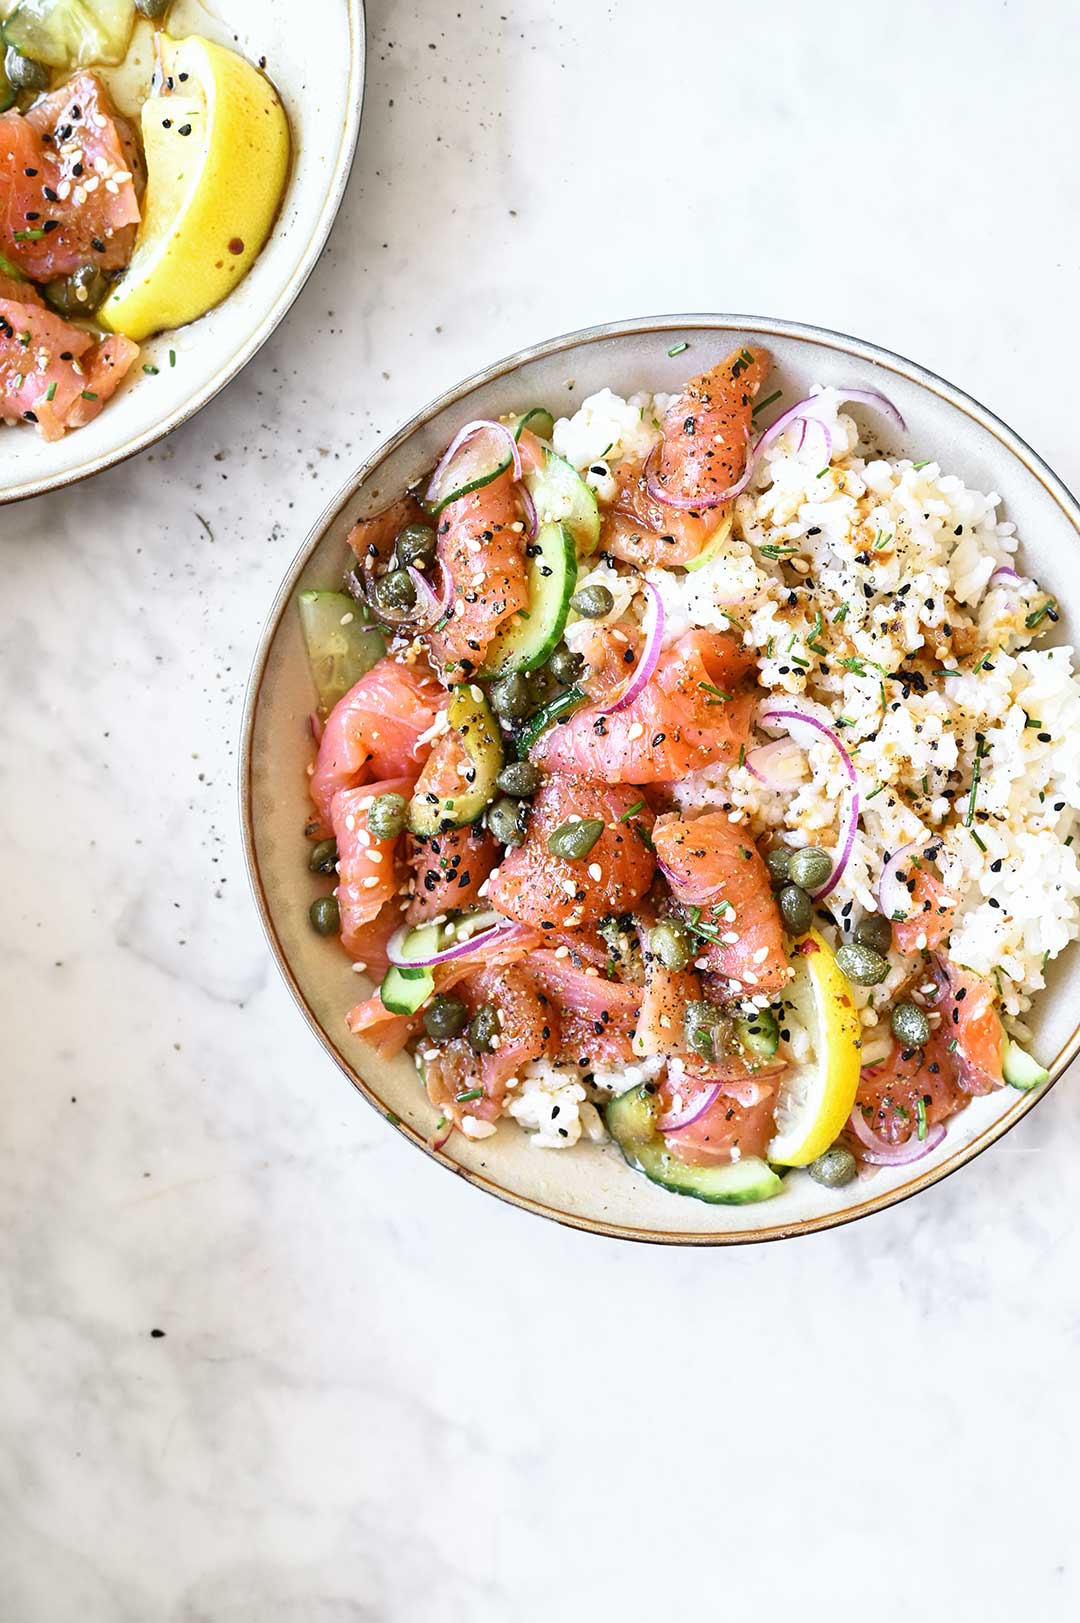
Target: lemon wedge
[
  {"x": 816, "y": 1098},
  {"x": 217, "y": 151}
]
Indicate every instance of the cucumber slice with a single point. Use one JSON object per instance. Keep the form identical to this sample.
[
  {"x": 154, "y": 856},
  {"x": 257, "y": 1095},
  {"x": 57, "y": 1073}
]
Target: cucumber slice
[
  {"x": 403, "y": 990},
  {"x": 71, "y": 33},
  {"x": 563, "y": 705},
  {"x": 457, "y": 800},
  {"x": 631, "y": 1119},
  {"x": 8, "y": 269},
  {"x": 561, "y": 496},
  {"x": 714, "y": 543},
  {"x": 7, "y": 99},
  {"x": 1020, "y": 1070},
  {"x": 529, "y": 639},
  {"x": 475, "y": 464},
  {"x": 758, "y": 1034},
  {"x": 341, "y": 647},
  {"x": 538, "y": 421}
]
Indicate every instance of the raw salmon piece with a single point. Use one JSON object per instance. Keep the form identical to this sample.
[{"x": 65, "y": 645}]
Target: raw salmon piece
[
  {"x": 889, "y": 1093},
  {"x": 677, "y": 724},
  {"x": 729, "y": 1130},
  {"x": 714, "y": 866},
  {"x": 372, "y": 539},
  {"x": 548, "y": 891},
  {"x": 374, "y": 731},
  {"x": 53, "y": 374},
  {"x": 386, "y": 1033},
  {"x": 707, "y": 429},
  {"x": 482, "y": 548},
  {"x": 448, "y": 871},
  {"x": 969, "y": 1018},
  {"x": 597, "y": 1015},
  {"x": 529, "y": 1027},
  {"x": 47, "y": 156},
  {"x": 650, "y": 534},
  {"x": 932, "y": 909},
  {"x": 661, "y": 1026},
  {"x": 369, "y": 870}
]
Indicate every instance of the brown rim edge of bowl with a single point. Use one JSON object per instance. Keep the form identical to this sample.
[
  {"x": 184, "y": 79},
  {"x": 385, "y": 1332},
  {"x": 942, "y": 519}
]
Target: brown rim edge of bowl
[
  {"x": 357, "y": 20},
  {"x": 858, "y": 349}
]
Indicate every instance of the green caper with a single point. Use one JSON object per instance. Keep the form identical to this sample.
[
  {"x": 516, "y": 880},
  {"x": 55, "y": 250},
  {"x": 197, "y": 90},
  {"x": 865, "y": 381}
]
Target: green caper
[
  {"x": 505, "y": 822},
  {"x": 23, "y": 72},
  {"x": 910, "y": 1025},
  {"x": 572, "y": 841},
  {"x": 862, "y": 964},
  {"x": 564, "y": 666},
  {"x": 510, "y": 697},
  {"x": 483, "y": 1029},
  {"x": 386, "y": 817},
  {"x": 671, "y": 944},
  {"x": 835, "y": 1168},
  {"x": 152, "y": 8},
  {"x": 323, "y": 857},
  {"x": 324, "y": 915},
  {"x": 810, "y": 868},
  {"x": 777, "y": 861},
  {"x": 393, "y": 593},
  {"x": 520, "y": 779},
  {"x": 445, "y": 1016},
  {"x": 592, "y": 602},
  {"x": 796, "y": 909},
  {"x": 874, "y": 930},
  {"x": 701, "y": 1025},
  {"x": 78, "y": 294},
  {"x": 415, "y": 544}
]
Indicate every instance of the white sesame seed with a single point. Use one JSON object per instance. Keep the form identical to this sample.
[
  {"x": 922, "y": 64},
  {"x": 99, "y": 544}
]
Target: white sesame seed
[
  {"x": 371, "y": 881},
  {"x": 636, "y": 730},
  {"x": 562, "y": 952},
  {"x": 569, "y": 886},
  {"x": 359, "y": 968},
  {"x": 729, "y": 938},
  {"x": 350, "y": 822},
  {"x": 373, "y": 855},
  {"x": 759, "y": 1000},
  {"x": 595, "y": 871},
  {"x": 761, "y": 955}
]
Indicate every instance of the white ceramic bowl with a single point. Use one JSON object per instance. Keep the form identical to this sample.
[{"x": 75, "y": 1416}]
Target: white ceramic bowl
[
  {"x": 318, "y": 68},
  {"x": 590, "y": 1186}
]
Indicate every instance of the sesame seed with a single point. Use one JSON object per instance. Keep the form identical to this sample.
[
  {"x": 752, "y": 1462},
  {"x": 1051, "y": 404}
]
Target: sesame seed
[
  {"x": 371, "y": 881},
  {"x": 595, "y": 871}
]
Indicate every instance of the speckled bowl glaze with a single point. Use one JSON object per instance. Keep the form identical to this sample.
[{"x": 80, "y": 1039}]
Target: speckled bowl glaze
[
  {"x": 590, "y": 1186},
  {"x": 319, "y": 72}
]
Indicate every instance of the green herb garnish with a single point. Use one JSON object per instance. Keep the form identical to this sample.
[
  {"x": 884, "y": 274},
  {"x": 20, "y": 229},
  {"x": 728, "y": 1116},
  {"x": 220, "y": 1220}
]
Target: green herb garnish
[{"x": 677, "y": 349}]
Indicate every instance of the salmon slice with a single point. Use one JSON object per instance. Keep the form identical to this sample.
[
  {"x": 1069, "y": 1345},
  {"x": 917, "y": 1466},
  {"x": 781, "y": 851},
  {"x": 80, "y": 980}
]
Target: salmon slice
[
  {"x": 386, "y": 1033},
  {"x": 597, "y": 1015},
  {"x": 482, "y": 548},
  {"x": 372, "y": 539},
  {"x": 552, "y": 893},
  {"x": 69, "y": 172},
  {"x": 713, "y": 866},
  {"x": 529, "y": 1028},
  {"x": 53, "y": 374},
  {"x": 650, "y": 534},
  {"x": 889, "y": 1093},
  {"x": 374, "y": 732},
  {"x": 932, "y": 909},
  {"x": 970, "y": 1020},
  {"x": 729, "y": 1130},
  {"x": 661, "y": 1025},
  {"x": 678, "y": 723},
  {"x": 448, "y": 871},
  {"x": 369, "y": 870}
]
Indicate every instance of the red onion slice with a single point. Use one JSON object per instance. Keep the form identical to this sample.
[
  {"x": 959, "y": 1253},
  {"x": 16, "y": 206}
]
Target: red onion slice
[
  {"x": 317, "y": 726},
  {"x": 485, "y": 448},
  {"x": 796, "y": 722},
  {"x": 532, "y": 523},
  {"x": 431, "y": 606},
  {"x": 878, "y": 1153},
  {"x": 692, "y": 504},
  {"x": 767, "y": 763},
  {"x": 457, "y": 949},
  {"x": 880, "y": 402},
  {"x": 689, "y": 1110},
  {"x": 894, "y": 898},
  {"x": 652, "y": 626},
  {"x": 1004, "y": 573}
]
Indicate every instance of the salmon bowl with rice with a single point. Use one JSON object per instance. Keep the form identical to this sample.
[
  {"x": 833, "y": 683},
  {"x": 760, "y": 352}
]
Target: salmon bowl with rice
[{"x": 691, "y": 780}]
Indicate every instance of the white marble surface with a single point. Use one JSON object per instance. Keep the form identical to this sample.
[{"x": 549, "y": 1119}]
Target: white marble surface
[{"x": 380, "y": 1396}]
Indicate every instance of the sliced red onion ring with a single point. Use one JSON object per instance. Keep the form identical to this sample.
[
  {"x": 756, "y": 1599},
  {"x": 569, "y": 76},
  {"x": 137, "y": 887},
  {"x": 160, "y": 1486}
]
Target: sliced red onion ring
[
  {"x": 803, "y": 414},
  {"x": 652, "y": 626},
  {"x": 532, "y": 523},
  {"x": 689, "y": 1110},
  {"x": 796, "y": 722},
  {"x": 767, "y": 763},
  {"x": 894, "y": 898},
  {"x": 1004, "y": 573},
  {"x": 483, "y": 445},
  {"x": 317, "y": 726},
  {"x": 431, "y": 606},
  {"x": 437, "y": 1139},
  {"x": 879, "y": 1153},
  {"x": 457, "y": 949},
  {"x": 692, "y": 504}
]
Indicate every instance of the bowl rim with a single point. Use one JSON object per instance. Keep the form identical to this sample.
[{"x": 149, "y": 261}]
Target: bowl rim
[
  {"x": 766, "y": 326},
  {"x": 356, "y": 19}
]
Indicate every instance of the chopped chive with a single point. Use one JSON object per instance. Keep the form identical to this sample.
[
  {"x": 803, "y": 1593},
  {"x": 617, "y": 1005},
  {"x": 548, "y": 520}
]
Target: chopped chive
[
  {"x": 920, "y": 1117},
  {"x": 152, "y": 370},
  {"x": 918, "y": 466},
  {"x": 841, "y": 613},
  {"x": 975, "y": 837},
  {"x": 852, "y": 663},
  {"x": 28, "y": 236},
  {"x": 777, "y": 553},
  {"x": 50, "y": 392},
  {"x": 172, "y": 357},
  {"x": 1046, "y": 958},
  {"x": 88, "y": 394},
  {"x": 1031, "y": 722},
  {"x": 1038, "y": 615},
  {"x": 742, "y": 754},
  {"x": 761, "y": 405},
  {"x": 822, "y": 474},
  {"x": 876, "y": 791},
  {"x": 721, "y": 696},
  {"x": 731, "y": 620},
  {"x": 677, "y": 349},
  {"x": 643, "y": 835},
  {"x": 633, "y": 811},
  {"x": 981, "y": 663},
  {"x": 980, "y": 751},
  {"x": 926, "y": 784},
  {"x": 803, "y": 664},
  {"x": 954, "y": 1044},
  {"x": 467, "y": 1097}
]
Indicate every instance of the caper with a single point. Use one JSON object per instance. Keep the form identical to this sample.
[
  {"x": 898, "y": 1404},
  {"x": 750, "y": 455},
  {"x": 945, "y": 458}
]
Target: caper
[
  {"x": 483, "y": 1029},
  {"x": 505, "y": 822},
  {"x": 592, "y": 602},
  {"x": 323, "y": 857},
  {"x": 23, "y": 72},
  {"x": 835, "y": 1168},
  {"x": 445, "y": 1016},
  {"x": 572, "y": 841},
  {"x": 152, "y": 8},
  {"x": 324, "y": 915},
  {"x": 810, "y": 868},
  {"x": 862, "y": 964},
  {"x": 394, "y": 592},
  {"x": 671, "y": 944},
  {"x": 415, "y": 545},
  {"x": 701, "y": 1024},
  {"x": 564, "y": 666},
  {"x": 874, "y": 930},
  {"x": 386, "y": 816},
  {"x": 796, "y": 909},
  {"x": 910, "y": 1025},
  {"x": 510, "y": 697},
  {"x": 78, "y": 294},
  {"x": 520, "y": 779},
  {"x": 777, "y": 861}
]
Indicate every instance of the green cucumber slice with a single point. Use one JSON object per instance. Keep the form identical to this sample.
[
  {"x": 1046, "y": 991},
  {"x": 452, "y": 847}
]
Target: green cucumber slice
[
  {"x": 470, "y": 717},
  {"x": 482, "y": 458},
  {"x": 529, "y": 639},
  {"x": 714, "y": 543},
  {"x": 71, "y": 33},
  {"x": 341, "y": 647},
  {"x": 1020, "y": 1070},
  {"x": 403, "y": 990},
  {"x": 758, "y": 1034},
  {"x": 561, "y": 496},
  {"x": 631, "y": 1119},
  {"x": 564, "y": 704},
  {"x": 7, "y": 99},
  {"x": 538, "y": 421}
]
